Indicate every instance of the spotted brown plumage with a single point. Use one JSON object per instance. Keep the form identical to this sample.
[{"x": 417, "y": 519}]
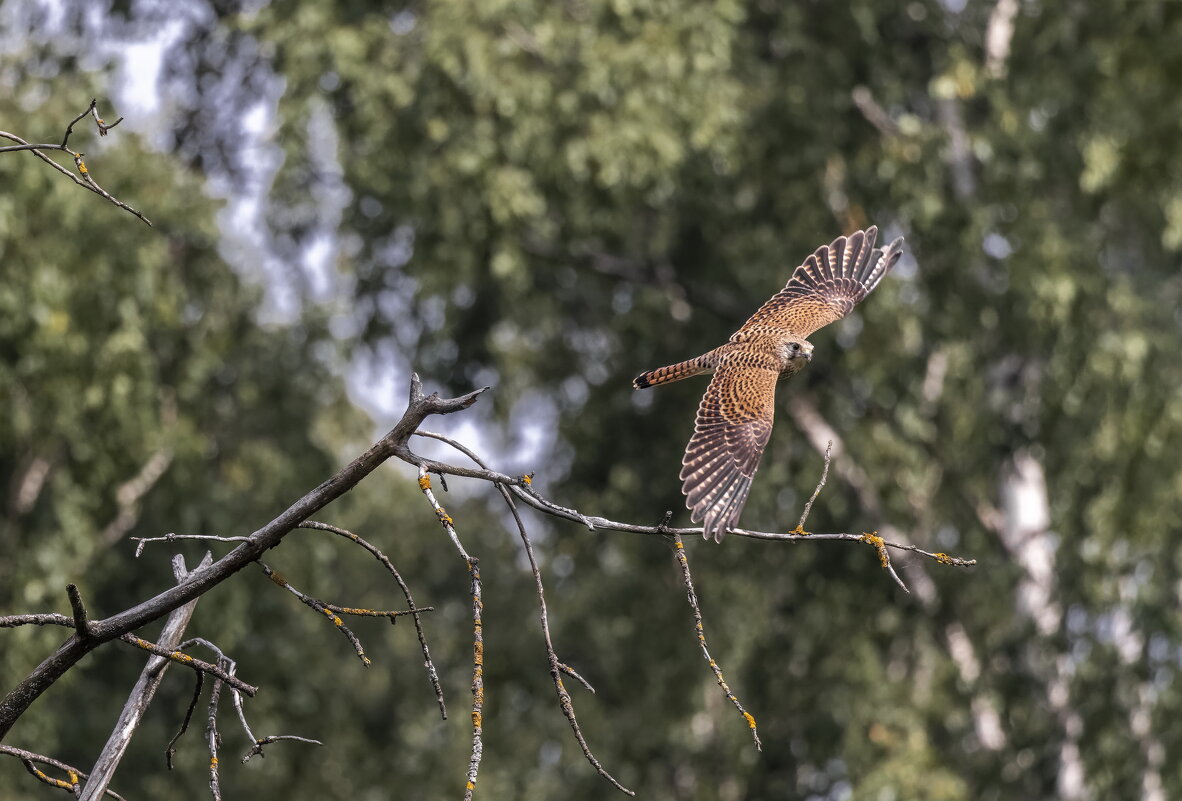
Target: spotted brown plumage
[{"x": 735, "y": 416}]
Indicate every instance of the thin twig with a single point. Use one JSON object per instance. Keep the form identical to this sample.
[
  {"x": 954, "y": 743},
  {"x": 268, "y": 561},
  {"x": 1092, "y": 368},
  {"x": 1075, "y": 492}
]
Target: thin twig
[
  {"x": 477, "y": 680},
  {"x": 415, "y": 611},
  {"x": 139, "y": 549},
  {"x": 103, "y": 127},
  {"x": 28, "y": 758},
  {"x": 570, "y": 671},
  {"x": 86, "y": 180},
  {"x": 176, "y": 655},
  {"x": 526, "y": 493},
  {"x": 392, "y": 614},
  {"x": 557, "y": 667},
  {"x": 70, "y": 128},
  {"x": 237, "y": 699},
  {"x": 70, "y": 785},
  {"x": 808, "y": 507},
  {"x": 280, "y": 580},
  {"x": 182, "y": 658},
  {"x": 212, "y": 738},
  {"x": 884, "y": 556},
  {"x": 683, "y": 562},
  {"x": 448, "y": 524},
  {"x": 170, "y": 749},
  {"x": 259, "y": 744}
]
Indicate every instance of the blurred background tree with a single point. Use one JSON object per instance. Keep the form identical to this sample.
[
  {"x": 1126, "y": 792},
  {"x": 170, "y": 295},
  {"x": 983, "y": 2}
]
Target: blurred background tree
[{"x": 550, "y": 198}]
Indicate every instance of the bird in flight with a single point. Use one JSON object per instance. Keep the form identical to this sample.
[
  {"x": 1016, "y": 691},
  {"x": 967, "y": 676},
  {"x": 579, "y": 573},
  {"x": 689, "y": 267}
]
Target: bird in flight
[{"x": 734, "y": 419}]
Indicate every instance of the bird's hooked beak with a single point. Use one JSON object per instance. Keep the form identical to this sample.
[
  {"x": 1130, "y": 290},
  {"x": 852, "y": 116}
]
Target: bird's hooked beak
[{"x": 807, "y": 352}]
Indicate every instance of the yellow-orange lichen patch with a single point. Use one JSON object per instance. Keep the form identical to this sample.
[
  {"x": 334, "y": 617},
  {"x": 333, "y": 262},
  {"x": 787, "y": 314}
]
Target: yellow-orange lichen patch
[{"x": 879, "y": 544}]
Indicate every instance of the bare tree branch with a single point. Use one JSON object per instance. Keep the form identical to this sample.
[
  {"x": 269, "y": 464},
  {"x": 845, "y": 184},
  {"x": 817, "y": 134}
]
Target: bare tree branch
[
  {"x": 29, "y": 759},
  {"x": 414, "y": 611},
  {"x": 200, "y": 581},
  {"x": 314, "y": 603},
  {"x": 174, "y": 655},
  {"x": 170, "y": 749},
  {"x": 142, "y": 694},
  {"x": 557, "y": 667},
  {"x": 448, "y": 524},
  {"x": 86, "y": 180},
  {"x": 90, "y": 634},
  {"x": 81, "y": 621},
  {"x": 700, "y": 632}
]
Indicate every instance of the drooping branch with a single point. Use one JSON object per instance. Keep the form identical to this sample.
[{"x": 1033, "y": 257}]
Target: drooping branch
[
  {"x": 557, "y": 667},
  {"x": 414, "y": 611},
  {"x": 700, "y": 633},
  {"x": 320, "y": 606},
  {"x": 473, "y": 563}
]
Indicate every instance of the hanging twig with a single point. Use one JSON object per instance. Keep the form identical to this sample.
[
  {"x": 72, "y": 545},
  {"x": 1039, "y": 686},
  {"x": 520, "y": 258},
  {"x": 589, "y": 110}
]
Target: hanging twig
[
  {"x": 414, "y": 611},
  {"x": 700, "y": 632},
  {"x": 448, "y": 524},
  {"x": 557, "y": 667}
]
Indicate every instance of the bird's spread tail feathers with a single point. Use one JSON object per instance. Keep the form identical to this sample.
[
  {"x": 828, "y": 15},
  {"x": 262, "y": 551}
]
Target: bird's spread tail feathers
[{"x": 674, "y": 372}]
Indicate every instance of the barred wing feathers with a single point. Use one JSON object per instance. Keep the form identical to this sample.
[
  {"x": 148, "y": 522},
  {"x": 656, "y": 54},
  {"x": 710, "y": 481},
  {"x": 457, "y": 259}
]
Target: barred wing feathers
[
  {"x": 829, "y": 284},
  {"x": 733, "y": 426}
]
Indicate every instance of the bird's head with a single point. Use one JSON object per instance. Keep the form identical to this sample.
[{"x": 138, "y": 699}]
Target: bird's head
[{"x": 795, "y": 353}]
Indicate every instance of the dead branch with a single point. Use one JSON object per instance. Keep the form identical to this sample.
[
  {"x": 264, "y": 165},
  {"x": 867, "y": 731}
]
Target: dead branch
[
  {"x": 212, "y": 738},
  {"x": 143, "y": 541},
  {"x": 86, "y": 180},
  {"x": 89, "y": 634},
  {"x": 413, "y": 610},
  {"x": 81, "y": 621},
  {"x": 143, "y": 692},
  {"x": 30, "y": 760},
  {"x": 808, "y": 507},
  {"x": 170, "y": 749},
  {"x": 448, "y": 524},
  {"x": 700, "y": 632},
  {"x": 315, "y": 603},
  {"x": 200, "y": 581},
  {"x": 174, "y": 655},
  {"x": 557, "y": 667}
]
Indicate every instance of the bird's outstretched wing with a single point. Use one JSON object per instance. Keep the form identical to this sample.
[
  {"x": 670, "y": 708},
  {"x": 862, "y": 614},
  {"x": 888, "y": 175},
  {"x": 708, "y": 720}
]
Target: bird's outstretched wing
[
  {"x": 828, "y": 285},
  {"x": 732, "y": 428}
]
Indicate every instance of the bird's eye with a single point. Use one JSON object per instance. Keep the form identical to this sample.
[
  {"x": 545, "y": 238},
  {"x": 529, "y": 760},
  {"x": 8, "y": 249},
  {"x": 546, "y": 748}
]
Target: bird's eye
[{"x": 795, "y": 346}]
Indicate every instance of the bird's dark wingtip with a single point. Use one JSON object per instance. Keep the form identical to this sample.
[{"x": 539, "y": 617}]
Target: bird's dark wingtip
[{"x": 641, "y": 382}]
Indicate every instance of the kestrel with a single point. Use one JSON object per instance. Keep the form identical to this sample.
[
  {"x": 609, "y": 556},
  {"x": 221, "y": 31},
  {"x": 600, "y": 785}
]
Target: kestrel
[{"x": 735, "y": 417}]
